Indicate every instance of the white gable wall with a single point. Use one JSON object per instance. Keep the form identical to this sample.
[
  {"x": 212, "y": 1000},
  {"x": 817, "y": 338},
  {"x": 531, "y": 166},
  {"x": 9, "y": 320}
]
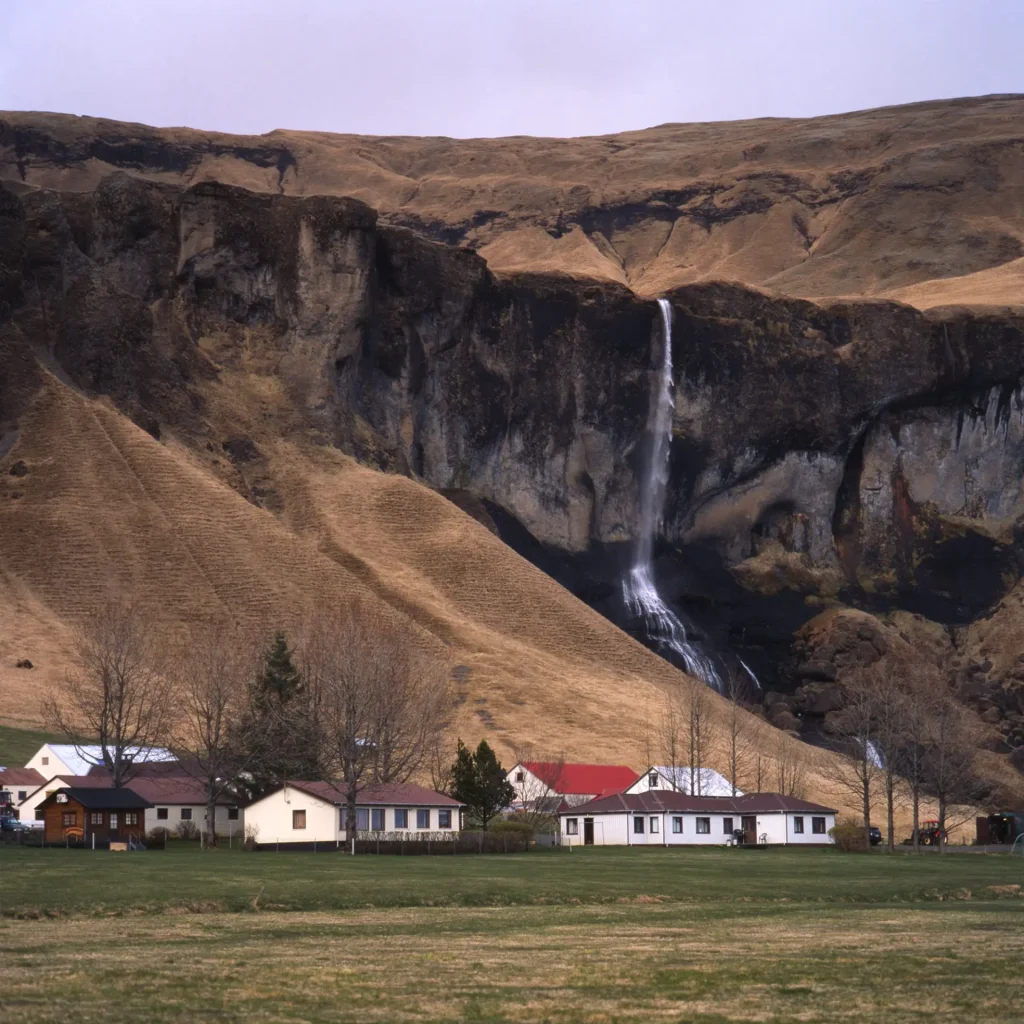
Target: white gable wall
[
  {"x": 711, "y": 782},
  {"x": 48, "y": 763},
  {"x": 272, "y": 816}
]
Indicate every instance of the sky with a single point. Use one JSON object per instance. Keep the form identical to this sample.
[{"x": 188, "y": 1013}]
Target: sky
[{"x": 468, "y": 68}]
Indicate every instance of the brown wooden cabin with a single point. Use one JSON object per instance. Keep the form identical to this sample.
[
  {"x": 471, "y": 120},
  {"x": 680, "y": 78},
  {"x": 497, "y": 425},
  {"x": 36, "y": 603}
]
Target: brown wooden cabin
[{"x": 74, "y": 814}]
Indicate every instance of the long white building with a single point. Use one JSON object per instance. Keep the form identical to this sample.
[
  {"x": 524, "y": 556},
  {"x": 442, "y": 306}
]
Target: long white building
[{"x": 659, "y": 817}]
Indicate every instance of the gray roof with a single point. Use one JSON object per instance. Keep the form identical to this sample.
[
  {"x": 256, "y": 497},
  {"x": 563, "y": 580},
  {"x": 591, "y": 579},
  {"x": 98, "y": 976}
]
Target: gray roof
[
  {"x": 101, "y": 799},
  {"x": 658, "y": 801}
]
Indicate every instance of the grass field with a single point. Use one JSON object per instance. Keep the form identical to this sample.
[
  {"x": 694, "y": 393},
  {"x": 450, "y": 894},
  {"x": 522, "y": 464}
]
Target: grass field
[
  {"x": 596, "y": 935},
  {"x": 18, "y": 745}
]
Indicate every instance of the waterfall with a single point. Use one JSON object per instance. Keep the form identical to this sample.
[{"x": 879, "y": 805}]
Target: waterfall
[
  {"x": 639, "y": 591},
  {"x": 873, "y": 755}
]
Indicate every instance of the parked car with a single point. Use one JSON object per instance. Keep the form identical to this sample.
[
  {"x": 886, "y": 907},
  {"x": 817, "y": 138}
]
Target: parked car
[
  {"x": 9, "y": 824},
  {"x": 875, "y": 835}
]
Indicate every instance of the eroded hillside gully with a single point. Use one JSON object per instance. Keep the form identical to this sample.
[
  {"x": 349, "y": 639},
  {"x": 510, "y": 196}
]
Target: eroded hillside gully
[{"x": 829, "y": 479}]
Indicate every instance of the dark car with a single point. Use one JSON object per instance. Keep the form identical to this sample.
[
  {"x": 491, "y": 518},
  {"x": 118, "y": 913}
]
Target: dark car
[
  {"x": 12, "y": 825},
  {"x": 875, "y": 835}
]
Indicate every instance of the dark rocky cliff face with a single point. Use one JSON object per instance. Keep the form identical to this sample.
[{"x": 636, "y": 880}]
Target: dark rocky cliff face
[{"x": 860, "y": 454}]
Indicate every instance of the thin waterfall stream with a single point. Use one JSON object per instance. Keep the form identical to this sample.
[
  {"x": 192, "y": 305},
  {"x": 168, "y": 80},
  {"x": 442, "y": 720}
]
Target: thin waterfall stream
[{"x": 641, "y": 595}]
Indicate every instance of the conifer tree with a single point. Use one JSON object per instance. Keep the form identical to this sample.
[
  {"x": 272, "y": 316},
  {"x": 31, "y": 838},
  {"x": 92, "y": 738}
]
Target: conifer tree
[{"x": 480, "y": 782}]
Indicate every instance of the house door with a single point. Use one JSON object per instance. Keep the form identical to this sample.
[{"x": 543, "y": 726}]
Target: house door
[
  {"x": 588, "y": 831},
  {"x": 749, "y": 823}
]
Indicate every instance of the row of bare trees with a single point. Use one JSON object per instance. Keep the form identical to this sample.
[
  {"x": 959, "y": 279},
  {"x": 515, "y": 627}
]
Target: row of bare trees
[
  {"x": 901, "y": 734},
  {"x": 355, "y": 700}
]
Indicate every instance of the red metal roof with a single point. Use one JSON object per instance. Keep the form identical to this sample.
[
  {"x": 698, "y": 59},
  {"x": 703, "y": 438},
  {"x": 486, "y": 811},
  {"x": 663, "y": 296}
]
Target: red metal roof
[
  {"x": 656, "y": 801},
  {"x": 391, "y": 794},
  {"x": 583, "y": 779}
]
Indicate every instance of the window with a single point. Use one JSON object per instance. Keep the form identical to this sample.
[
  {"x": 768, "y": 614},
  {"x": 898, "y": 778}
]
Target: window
[
  {"x": 362, "y": 819},
  {"x": 704, "y": 826},
  {"x": 40, "y": 814},
  {"x": 113, "y": 821},
  {"x": 161, "y": 814},
  {"x": 652, "y": 780},
  {"x": 727, "y": 826},
  {"x": 232, "y": 814},
  {"x": 377, "y": 819},
  {"x": 638, "y": 826},
  {"x": 131, "y": 817},
  {"x": 423, "y": 818},
  {"x": 572, "y": 826},
  {"x": 96, "y": 818},
  {"x": 186, "y": 814},
  {"x": 298, "y": 819},
  {"x": 46, "y": 760},
  {"x": 520, "y": 777},
  {"x": 22, "y": 793},
  {"x": 798, "y": 825},
  {"x": 401, "y": 817},
  {"x": 677, "y": 824},
  {"x": 68, "y": 818},
  {"x": 654, "y": 826},
  {"x": 818, "y": 826},
  {"x": 444, "y": 818}
]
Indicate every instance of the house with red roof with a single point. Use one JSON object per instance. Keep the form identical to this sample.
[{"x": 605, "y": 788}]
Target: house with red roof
[{"x": 550, "y": 785}]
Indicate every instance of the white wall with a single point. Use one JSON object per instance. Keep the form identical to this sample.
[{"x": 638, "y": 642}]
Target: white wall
[
  {"x": 617, "y": 829},
  {"x": 711, "y": 784},
  {"x": 174, "y": 818},
  {"x": 27, "y": 810},
  {"x": 808, "y": 837},
  {"x": 48, "y": 764}
]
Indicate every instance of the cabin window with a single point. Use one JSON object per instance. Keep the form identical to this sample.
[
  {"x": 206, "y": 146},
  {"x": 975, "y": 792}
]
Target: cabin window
[
  {"x": 520, "y": 777},
  {"x": 444, "y": 818},
  {"x": 677, "y": 824},
  {"x": 654, "y": 826},
  {"x": 572, "y": 826},
  {"x": 131, "y": 817},
  {"x": 68, "y": 818},
  {"x": 40, "y": 814},
  {"x": 704, "y": 826},
  {"x": 401, "y": 817},
  {"x": 232, "y": 814},
  {"x": 161, "y": 814},
  {"x": 186, "y": 814},
  {"x": 798, "y": 825},
  {"x": 638, "y": 826},
  {"x": 727, "y": 826},
  {"x": 423, "y": 818},
  {"x": 96, "y": 818},
  {"x": 818, "y": 826},
  {"x": 113, "y": 821},
  {"x": 298, "y": 819},
  {"x": 652, "y": 780},
  {"x": 377, "y": 819}
]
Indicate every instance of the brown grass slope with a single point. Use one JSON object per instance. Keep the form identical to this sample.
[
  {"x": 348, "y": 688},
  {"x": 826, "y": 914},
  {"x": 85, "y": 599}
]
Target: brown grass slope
[{"x": 923, "y": 202}]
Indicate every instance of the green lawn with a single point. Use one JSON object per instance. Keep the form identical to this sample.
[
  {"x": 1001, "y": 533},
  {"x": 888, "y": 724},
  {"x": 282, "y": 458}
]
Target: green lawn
[
  {"x": 18, "y": 745},
  {"x": 595, "y": 935}
]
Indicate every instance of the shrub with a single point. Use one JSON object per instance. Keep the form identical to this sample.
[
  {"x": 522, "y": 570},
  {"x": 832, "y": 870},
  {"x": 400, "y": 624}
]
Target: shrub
[
  {"x": 849, "y": 837},
  {"x": 187, "y": 830},
  {"x": 511, "y": 827},
  {"x": 252, "y": 836},
  {"x": 158, "y": 836}
]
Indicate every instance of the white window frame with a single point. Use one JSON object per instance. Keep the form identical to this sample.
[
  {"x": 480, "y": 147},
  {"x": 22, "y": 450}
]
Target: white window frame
[
  {"x": 677, "y": 824},
  {"x": 572, "y": 826},
  {"x": 444, "y": 818},
  {"x": 423, "y": 811},
  {"x": 798, "y": 824},
  {"x": 638, "y": 825},
  {"x": 654, "y": 826},
  {"x": 652, "y": 780},
  {"x": 703, "y": 826}
]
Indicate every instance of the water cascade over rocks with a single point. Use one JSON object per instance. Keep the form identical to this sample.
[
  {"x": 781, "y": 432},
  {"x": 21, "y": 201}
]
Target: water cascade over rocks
[{"x": 663, "y": 626}]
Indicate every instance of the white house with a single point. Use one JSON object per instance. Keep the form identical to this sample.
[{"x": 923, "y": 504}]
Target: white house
[
  {"x": 315, "y": 812},
  {"x": 566, "y": 784},
  {"x": 174, "y": 798},
  {"x": 53, "y": 759},
  {"x": 16, "y": 785},
  {"x": 700, "y": 781},
  {"x": 667, "y": 818}
]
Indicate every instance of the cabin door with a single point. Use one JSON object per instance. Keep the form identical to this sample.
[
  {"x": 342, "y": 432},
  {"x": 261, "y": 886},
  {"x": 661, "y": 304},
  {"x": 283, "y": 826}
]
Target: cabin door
[
  {"x": 749, "y": 823},
  {"x": 588, "y": 831}
]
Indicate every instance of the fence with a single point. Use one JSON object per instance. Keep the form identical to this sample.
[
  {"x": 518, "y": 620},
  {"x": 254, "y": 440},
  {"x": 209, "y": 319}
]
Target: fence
[{"x": 418, "y": 844}]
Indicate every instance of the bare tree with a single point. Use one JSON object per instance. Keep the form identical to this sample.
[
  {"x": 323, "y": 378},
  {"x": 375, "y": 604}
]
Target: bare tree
[
  {"x": 212, "y": 671},
  {"x": 699, "y": 730},
  {"x": 737, "y": 740},
  {"x": 116, "y": 696},
  {"x": 790, "y": 766},
  {"x": 856, "y": 766},
  {"x": 536, "y": 794},
  {"x": 672, "y": 739},
  {"x": 950, "y": 762},
  {"x": 922, "y": 690},
  {"x": 381, "y": 701}
]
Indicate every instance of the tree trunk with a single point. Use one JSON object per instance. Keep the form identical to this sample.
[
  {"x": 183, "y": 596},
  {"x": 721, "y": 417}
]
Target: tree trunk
[
  {"x": 211, "y": 821},
  {"x": 942, "y": 822},
  {"x": 890, "y": 800},
  {"x": 917, "y": 818},
  {"x": 866, "y": 784},
  {"x": 350, "y": 815}
]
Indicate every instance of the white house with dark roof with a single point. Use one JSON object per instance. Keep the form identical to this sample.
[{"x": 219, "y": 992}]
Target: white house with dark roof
[
  {"x": 667, "y": 818},
  {"x": 315, "y": 812}
]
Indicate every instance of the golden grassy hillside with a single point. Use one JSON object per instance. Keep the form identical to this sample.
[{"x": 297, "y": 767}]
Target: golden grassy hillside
[{"x": 899, "y": 201}]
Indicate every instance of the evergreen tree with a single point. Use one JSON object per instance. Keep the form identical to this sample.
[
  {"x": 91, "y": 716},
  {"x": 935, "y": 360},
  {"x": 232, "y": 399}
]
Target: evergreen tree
[
  {"x": 279, "y": 733},
  {"x": 479, "y": 781}
]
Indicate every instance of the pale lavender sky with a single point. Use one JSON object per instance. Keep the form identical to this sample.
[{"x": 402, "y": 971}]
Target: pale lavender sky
[{"x": 496, "y": 67}]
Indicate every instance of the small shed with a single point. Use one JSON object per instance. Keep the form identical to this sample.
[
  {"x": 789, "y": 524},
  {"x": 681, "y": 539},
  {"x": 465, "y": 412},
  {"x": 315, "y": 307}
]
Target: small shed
[{"x": 79, "y": 815}]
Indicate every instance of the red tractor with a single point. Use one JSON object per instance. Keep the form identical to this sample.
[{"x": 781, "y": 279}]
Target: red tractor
[{"x": 930, "y": 834}]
